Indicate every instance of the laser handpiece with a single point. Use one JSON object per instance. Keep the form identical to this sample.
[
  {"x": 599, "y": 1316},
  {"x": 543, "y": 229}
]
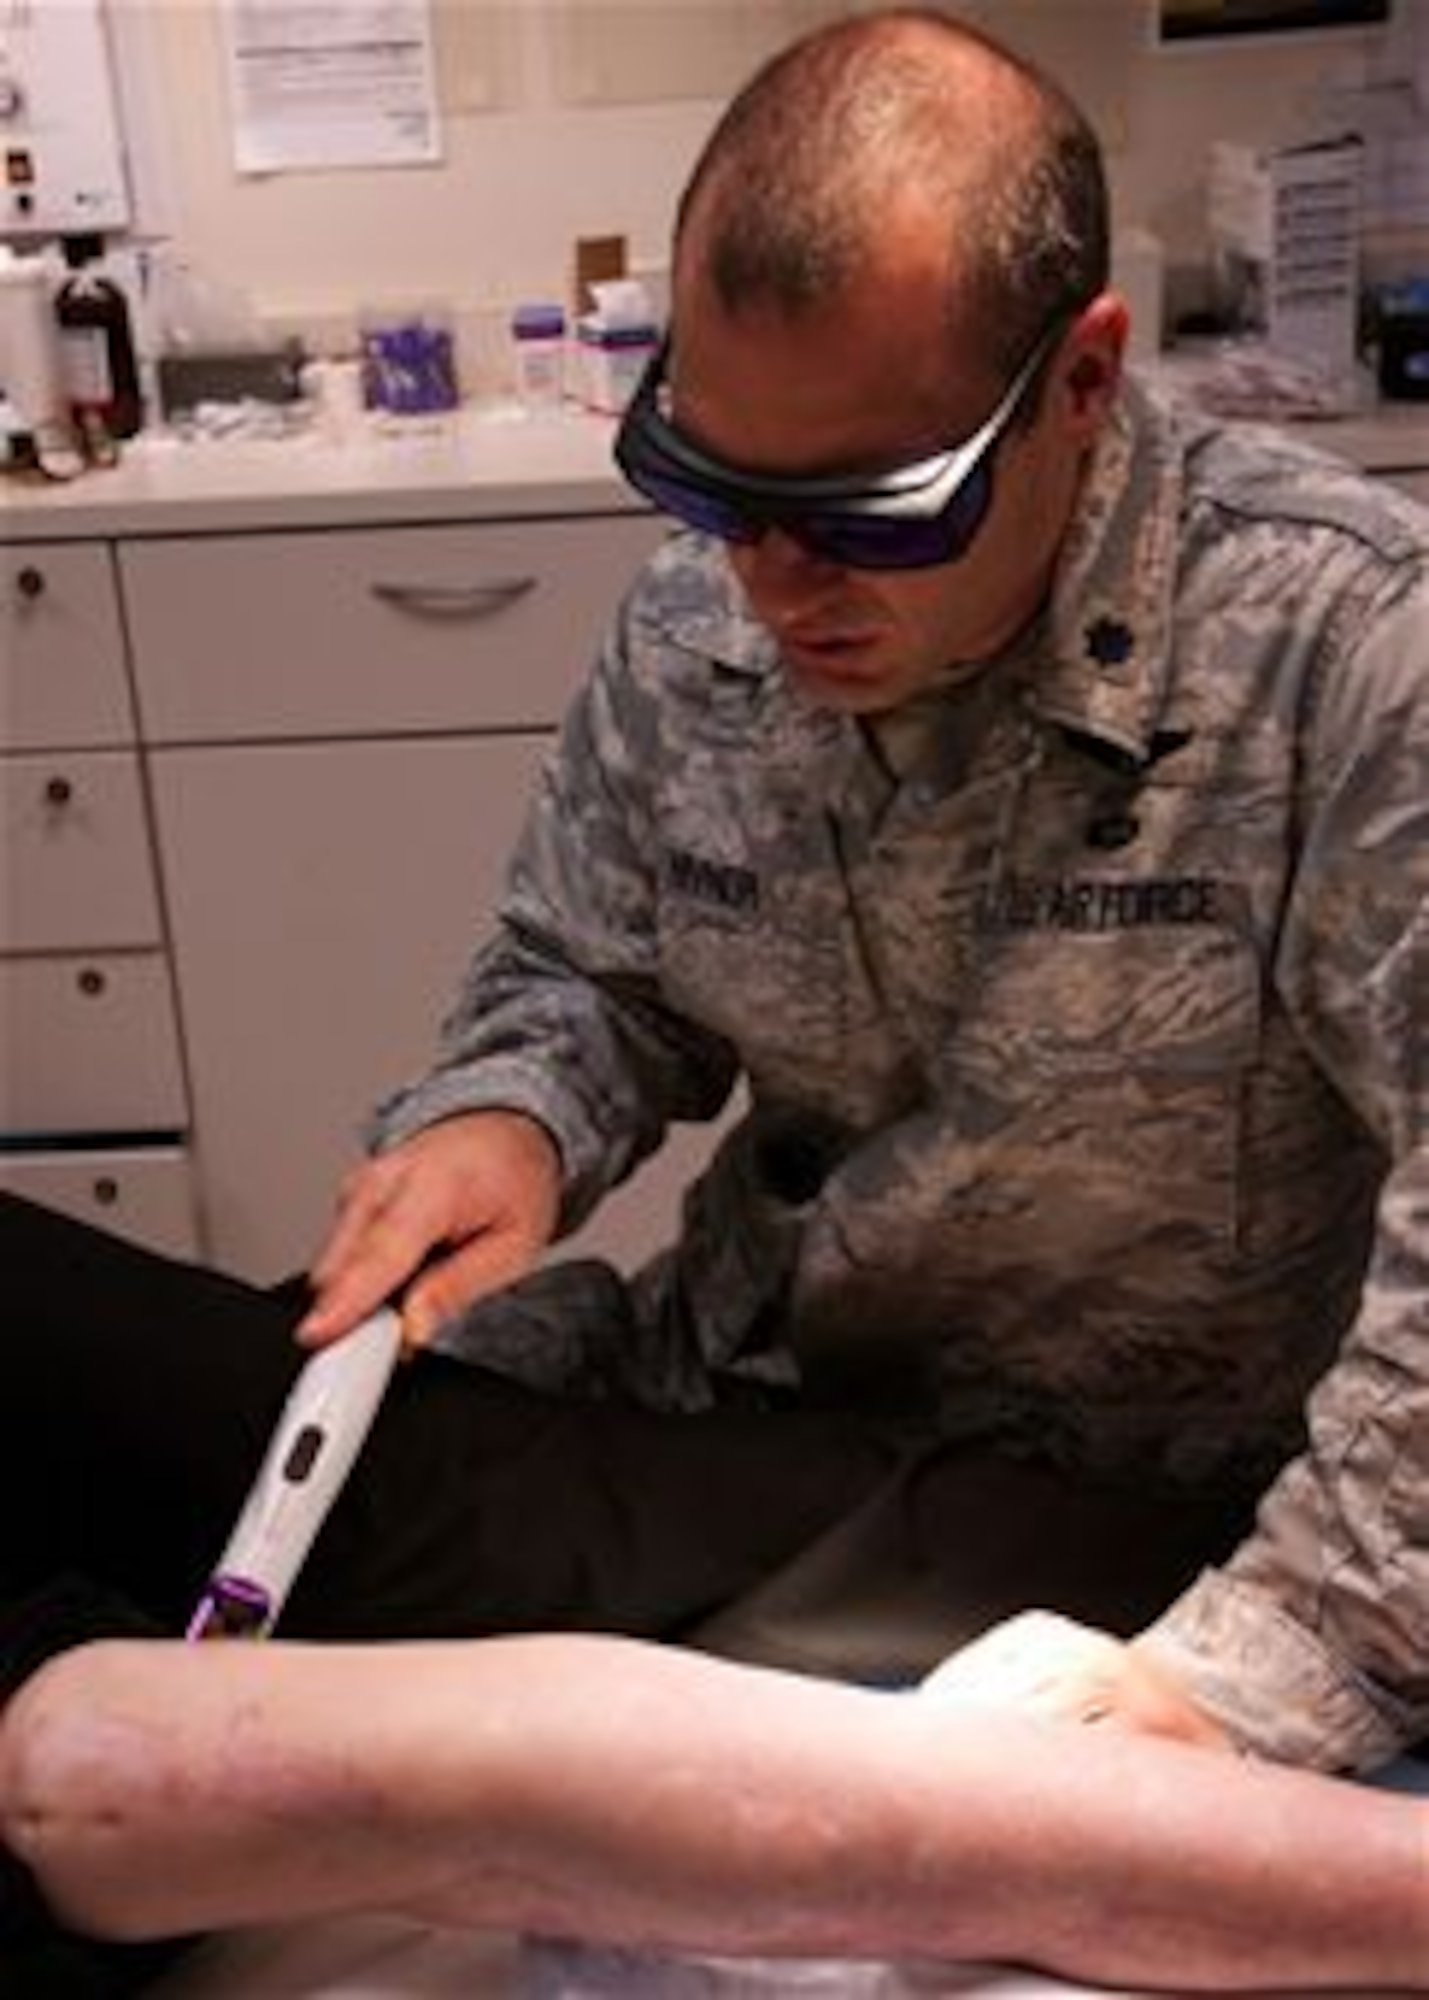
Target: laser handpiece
[{"x": 317, "y": 1438}]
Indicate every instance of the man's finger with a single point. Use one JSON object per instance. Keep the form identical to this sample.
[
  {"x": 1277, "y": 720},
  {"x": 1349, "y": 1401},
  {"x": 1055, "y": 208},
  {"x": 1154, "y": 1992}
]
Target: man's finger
[
  {"x": 380, "y": 1260},
  {"x": 451, "y": 1283},
  {"x": 362, "y": 1198}
]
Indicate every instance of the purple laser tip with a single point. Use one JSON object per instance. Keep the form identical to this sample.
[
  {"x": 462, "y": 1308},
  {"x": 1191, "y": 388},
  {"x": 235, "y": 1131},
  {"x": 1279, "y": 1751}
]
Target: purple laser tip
[{"x": 231, "y": 1608}]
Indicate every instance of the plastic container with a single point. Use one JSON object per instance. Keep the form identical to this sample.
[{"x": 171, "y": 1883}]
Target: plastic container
[
  {"x": 35, "y": 423},
  {"x": 409, "y": 365},
  {"x": 31, "y": 371},
  {"x": 538, "y": 340},
  {"x": 97, "y": 354}
]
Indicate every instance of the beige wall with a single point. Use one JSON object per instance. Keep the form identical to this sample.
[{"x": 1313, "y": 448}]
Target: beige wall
[{"x": 528, "y": 167}]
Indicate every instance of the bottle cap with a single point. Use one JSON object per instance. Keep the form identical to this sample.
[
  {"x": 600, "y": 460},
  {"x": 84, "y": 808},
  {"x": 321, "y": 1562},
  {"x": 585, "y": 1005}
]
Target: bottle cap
[
  {"x": 84, "y": 247},
  {"x": 538, "y": 322}
]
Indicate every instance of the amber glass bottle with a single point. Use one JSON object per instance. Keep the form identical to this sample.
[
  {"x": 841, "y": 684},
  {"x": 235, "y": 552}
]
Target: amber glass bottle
[{"x": 97, "y": 345}]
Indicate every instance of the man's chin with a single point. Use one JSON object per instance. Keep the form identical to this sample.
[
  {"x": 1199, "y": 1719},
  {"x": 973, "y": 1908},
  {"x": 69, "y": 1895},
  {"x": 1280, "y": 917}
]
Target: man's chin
[{"x": 852, "y": 681}]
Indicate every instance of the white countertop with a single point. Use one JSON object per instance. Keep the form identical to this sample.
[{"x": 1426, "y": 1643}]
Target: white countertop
[
  {"x": 1392, "y": 438},
  {"x": 473, "y": 464},
  {"x": 477, "y": 464}
]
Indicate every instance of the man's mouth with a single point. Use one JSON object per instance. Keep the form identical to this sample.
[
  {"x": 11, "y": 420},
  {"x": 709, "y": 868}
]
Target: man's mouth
[{"x": 824, "y": 644}]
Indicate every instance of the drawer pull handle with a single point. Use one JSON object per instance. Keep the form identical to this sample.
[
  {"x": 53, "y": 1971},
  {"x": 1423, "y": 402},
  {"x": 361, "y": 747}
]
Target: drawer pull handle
[
  {"x": 59, "y": 793},
  {"x": 472, "y": 600},
  {"x": 91, "y": 982},
  {"x": 30, "y": 582}
]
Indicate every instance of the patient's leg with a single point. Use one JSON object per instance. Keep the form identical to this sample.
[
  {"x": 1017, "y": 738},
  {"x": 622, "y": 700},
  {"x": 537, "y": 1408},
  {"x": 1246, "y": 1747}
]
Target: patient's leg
[{"x": 615, "y": 1791}]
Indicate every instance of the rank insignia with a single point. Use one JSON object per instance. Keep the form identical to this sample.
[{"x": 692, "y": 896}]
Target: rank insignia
[{"x": 1108, "y": 641}]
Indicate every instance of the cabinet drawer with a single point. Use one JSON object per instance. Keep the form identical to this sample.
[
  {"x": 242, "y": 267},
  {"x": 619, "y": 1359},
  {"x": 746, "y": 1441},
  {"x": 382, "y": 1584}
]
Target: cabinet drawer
[
  {"x": 355, "y": 632},
  {"x": 62, "y": 677},
  {"x": 89, "y": 1044},
  {"x": 143, "y": 1193},
  {"x": 77, "y": 871}
]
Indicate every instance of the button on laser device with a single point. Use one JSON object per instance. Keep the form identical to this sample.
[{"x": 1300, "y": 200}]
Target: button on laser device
[{"x": 304, "y": 1455}]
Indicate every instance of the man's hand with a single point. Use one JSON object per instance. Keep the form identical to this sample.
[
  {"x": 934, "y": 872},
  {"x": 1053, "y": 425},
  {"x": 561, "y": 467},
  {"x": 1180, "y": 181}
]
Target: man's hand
[
  {"x": 1049, "y": 1665},
  {"x": 469, "y": 1204}
]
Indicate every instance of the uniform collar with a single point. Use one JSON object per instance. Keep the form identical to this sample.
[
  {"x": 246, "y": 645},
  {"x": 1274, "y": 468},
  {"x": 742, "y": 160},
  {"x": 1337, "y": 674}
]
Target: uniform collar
[
  {"x": 704, "y": 609},
  {"x": 1107, "y": 662}
]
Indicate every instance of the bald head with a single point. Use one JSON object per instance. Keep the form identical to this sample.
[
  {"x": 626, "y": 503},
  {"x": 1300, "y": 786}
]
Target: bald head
[{"x": 909, "y": 129}]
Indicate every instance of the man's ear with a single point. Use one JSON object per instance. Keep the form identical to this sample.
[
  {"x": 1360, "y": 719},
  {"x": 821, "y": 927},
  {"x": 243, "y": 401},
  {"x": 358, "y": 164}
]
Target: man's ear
[{"x": 1096, "y": 344}]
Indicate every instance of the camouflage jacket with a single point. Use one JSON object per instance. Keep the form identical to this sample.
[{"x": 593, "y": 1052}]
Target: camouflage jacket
[{"x": 1086, "y": 1044}]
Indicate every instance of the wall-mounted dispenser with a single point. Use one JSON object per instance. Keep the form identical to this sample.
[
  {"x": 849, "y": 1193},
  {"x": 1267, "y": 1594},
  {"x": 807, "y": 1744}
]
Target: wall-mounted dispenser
[{"x": 62, "y": 166}]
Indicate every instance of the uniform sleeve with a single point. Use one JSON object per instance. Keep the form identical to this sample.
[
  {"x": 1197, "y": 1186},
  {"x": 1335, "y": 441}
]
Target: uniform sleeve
[
  {"x": 1312, "y": 1643},
  {"x": 560, "y": 1014}
]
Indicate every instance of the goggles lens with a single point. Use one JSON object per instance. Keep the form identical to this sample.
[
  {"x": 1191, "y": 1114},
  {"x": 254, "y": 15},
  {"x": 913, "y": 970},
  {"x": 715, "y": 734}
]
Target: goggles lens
[{"x": 912, "y": 516}]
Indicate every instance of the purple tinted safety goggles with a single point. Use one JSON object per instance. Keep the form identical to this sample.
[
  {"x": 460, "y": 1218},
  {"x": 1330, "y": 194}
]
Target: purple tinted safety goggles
[{"x": 911, "y": 516}]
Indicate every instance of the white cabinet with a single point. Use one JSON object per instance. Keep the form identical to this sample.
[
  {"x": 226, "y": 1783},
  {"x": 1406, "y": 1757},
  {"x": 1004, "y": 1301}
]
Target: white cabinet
[
  {"x": 344, "y": 726},
  {"x": 332, "y": 731},
  {"x": 93, "y": 1108},
  {"x": 324, "y": 898}
]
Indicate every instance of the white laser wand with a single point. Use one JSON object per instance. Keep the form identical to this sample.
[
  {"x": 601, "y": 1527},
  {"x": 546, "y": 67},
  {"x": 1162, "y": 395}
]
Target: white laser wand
[{"x": 321, "y": 1430}]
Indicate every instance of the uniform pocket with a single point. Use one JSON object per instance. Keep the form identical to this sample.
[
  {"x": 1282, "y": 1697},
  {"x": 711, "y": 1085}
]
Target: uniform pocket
[{"x": 1110, "y": 1064}]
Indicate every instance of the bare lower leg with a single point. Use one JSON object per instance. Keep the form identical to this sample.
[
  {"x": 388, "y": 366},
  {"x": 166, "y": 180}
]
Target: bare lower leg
[{"x": 621, "y": 1792}]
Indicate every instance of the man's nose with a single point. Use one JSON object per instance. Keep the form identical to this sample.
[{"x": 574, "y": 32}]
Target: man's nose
[{"x": 777, "y": 565}]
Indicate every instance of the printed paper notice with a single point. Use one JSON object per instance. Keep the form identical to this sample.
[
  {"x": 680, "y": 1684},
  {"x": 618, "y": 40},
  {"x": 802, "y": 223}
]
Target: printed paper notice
[{"x": 331, "y": 83}]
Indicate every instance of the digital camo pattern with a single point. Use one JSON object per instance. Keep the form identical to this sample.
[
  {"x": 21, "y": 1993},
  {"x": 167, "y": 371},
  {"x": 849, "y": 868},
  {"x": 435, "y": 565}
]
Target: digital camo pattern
[{"x": 1081, "y": 1057}]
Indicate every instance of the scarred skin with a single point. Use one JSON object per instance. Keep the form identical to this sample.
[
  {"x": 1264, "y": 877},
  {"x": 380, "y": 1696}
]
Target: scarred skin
[{"x": 626, "y": 1793}]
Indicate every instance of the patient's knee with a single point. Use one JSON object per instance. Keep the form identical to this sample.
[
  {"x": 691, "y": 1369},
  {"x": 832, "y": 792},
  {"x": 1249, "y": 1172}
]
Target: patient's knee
[{"x": 72, "y": 1772}]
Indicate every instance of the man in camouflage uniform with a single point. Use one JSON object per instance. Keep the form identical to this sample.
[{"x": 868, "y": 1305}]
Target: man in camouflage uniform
[
  {"x": 1052, "y": 873},
  {"x": 1062, "y": 907}
]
